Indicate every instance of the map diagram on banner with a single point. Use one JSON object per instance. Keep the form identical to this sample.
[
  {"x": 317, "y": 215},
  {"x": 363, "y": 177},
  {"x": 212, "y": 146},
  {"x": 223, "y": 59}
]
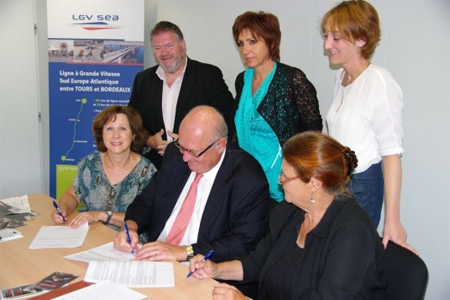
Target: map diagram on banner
[{"x": 64, "y": 157}]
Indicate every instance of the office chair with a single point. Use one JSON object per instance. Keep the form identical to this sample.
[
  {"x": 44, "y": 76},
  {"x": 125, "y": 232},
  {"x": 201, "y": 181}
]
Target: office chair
[{"x": 406, "y": 274}]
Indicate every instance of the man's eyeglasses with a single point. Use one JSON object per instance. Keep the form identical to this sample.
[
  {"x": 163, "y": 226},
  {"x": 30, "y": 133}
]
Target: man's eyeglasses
[
  {"x": 282, "y": 179},
  {"x": 195, "y": 154}
]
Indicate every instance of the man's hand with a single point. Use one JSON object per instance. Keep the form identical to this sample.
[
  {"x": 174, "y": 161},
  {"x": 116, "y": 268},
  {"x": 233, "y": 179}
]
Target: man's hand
[
  {"x": 155, "y": 140},
  {"x": 157, "y": 143},
  {"x": 156, "y": 251},
  {"x": 121, "y": 241}
]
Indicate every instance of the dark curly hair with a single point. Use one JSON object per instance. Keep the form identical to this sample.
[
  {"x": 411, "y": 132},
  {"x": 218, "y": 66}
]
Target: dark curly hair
[
  {"x": 261, "y": 25},
  {"x": 109, "y": 114},
  {"x": 313, "y": 154},
  {"x": 165, "y": 26}
]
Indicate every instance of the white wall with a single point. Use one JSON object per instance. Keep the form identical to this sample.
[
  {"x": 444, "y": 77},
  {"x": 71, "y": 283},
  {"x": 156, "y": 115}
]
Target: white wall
[
  {"x": 414, "y": 47},
  {"x": 20, "y": 141}
]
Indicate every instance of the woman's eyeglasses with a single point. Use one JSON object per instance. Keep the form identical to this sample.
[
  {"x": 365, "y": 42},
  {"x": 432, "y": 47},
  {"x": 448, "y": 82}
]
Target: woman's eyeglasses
[{"x": 282, "y": 179}]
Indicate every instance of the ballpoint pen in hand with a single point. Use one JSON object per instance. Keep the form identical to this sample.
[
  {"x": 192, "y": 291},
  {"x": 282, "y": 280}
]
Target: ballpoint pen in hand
[
  {"x": 59, "y": 211},
  {"x": 208, "y": 256},
  {"x": 125, "y": 226}
]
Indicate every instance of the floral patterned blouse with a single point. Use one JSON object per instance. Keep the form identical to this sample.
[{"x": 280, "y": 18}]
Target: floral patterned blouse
[{"x": 96, "y": 193}]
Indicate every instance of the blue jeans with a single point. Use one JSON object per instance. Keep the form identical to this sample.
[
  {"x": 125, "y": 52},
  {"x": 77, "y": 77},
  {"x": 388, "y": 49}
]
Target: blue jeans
[{"x": 368, "y": 189}]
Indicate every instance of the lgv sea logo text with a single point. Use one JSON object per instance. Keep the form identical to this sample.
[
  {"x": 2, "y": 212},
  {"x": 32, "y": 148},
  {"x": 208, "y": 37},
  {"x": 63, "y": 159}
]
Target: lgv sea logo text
[
  {"x": 96, "y": 22},
  {"x": 95, "y": 18}
]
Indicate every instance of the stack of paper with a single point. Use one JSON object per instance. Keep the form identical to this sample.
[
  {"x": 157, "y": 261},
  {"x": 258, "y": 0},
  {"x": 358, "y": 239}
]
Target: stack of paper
[
  {"x": 107, "y": 264},
  {"x": 15, "y": 211}
]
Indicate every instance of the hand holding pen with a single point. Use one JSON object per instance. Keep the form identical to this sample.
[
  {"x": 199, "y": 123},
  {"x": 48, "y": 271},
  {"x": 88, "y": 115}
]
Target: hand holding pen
[
  {"x": 208, "y": 256},
  {"x": 127, "y": 232},
  {"x": 58, "y": 210}
]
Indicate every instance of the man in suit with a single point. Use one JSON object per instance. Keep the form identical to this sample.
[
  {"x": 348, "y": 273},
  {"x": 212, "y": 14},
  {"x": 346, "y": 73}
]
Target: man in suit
[
  {"x": 164, "y": 94},
  {"x": 231, "y": 210}
]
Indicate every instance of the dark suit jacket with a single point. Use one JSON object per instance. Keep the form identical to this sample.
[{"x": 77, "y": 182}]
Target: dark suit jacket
[
  {"x": 236, "y": 213},
  {"x": 202, "y": 84}
]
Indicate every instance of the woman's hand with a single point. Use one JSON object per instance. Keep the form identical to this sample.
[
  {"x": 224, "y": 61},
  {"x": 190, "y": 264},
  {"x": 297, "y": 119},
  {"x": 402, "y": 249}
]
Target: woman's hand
[
  {"x": 83, "y": 217},
  {"x": 57, "y": 219},
  {"x": 394, "y": 231},
  {"x": 202, "y": 269},
  {"x": 223, "y": 291}
]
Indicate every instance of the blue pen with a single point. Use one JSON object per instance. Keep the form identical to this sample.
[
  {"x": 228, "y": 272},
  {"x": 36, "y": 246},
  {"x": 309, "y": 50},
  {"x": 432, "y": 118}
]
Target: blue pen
[
  {"x": 59, "y": 211},
  {"x": 208, "y": 256},
  {"x": 125, "y": 226}
]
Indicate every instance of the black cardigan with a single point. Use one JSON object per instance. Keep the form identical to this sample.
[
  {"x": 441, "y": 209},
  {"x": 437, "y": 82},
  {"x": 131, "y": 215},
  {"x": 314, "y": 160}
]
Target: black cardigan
[{"x": 290, "y": 105}]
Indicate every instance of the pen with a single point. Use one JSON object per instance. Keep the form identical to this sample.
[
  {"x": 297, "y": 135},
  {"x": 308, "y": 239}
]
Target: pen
[
  {"x": 125, "y": 226},
  {"x": 208, "y": 256},
  {"x": 59, "y": 211}
]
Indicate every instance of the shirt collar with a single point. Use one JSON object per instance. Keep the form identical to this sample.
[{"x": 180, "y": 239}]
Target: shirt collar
[{"x": 210, "y": 176}]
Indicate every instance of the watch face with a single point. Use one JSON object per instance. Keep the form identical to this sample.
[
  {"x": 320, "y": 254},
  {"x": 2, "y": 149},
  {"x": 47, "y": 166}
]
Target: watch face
[
  {"x": 189, "y": 252},
  {"x": 108, "y": 216}
]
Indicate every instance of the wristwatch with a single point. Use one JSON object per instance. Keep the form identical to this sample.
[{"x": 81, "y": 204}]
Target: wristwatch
[
  {"x": 189, "y": 253},
  {"x": 109, "y": 215}
]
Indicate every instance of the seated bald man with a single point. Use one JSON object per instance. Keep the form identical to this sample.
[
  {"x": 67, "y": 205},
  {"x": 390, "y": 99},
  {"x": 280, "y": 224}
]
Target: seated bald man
[{"x": 231, "y": 205}]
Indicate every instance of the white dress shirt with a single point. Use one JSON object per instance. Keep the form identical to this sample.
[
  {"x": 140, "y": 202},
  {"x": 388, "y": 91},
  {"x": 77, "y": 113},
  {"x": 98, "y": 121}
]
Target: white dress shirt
[
  {"x": 170, "y": 99},
  {"x": 203, "y": 191}
]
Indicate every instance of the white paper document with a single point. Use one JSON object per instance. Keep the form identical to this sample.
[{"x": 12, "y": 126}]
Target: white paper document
[
  {"x": 134, "y": 273},
  {"x": 20, "y": 204},
  {"x": 59, "y": 237},
  {"x": 103, "y": 291},
  {"x": 103, "y": 252}
]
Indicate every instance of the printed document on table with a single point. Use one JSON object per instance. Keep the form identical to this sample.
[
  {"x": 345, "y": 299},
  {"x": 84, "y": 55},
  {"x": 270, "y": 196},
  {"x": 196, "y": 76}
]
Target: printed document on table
[
  {"x": 103, "y": 291},
  {"x": 20, "y": 204},
  {"x": 103, "y": 252},
  {"x": 133, "y": 273},
  {"x": 59, "y": 237}
]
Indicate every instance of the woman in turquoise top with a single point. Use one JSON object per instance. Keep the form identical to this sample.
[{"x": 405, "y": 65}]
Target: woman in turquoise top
[
  {"x": 108, "y": 181},
  {"x": 275, "y": 101}
]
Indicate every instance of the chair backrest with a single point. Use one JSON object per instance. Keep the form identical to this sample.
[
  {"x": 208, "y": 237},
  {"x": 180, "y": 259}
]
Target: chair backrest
[{"x": 406, "y": 274}]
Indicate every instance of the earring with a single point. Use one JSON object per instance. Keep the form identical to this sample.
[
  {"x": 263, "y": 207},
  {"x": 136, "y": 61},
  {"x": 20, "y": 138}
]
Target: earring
[{"x": 312, "y": 200}]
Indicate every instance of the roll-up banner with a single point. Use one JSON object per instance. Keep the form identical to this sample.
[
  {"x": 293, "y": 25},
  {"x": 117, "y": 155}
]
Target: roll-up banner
[{"x": 95, "y": 49}]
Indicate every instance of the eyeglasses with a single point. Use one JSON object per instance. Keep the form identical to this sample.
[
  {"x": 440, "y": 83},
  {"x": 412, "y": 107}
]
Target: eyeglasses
[
  {"x": 282, "y": 179},
  {"x": 195, "y": 154}
]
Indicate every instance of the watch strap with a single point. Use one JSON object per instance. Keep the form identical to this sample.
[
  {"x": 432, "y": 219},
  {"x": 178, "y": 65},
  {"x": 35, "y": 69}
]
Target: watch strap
[{"x": 109, "y": 216}]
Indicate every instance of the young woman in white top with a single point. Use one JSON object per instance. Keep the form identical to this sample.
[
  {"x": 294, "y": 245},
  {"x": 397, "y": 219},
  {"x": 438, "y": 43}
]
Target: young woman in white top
[{"x": 366, "y": 113}]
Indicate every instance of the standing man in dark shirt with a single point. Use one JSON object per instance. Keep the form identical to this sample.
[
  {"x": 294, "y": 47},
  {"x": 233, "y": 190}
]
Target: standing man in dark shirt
[{"x": 165, "y": 93}]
